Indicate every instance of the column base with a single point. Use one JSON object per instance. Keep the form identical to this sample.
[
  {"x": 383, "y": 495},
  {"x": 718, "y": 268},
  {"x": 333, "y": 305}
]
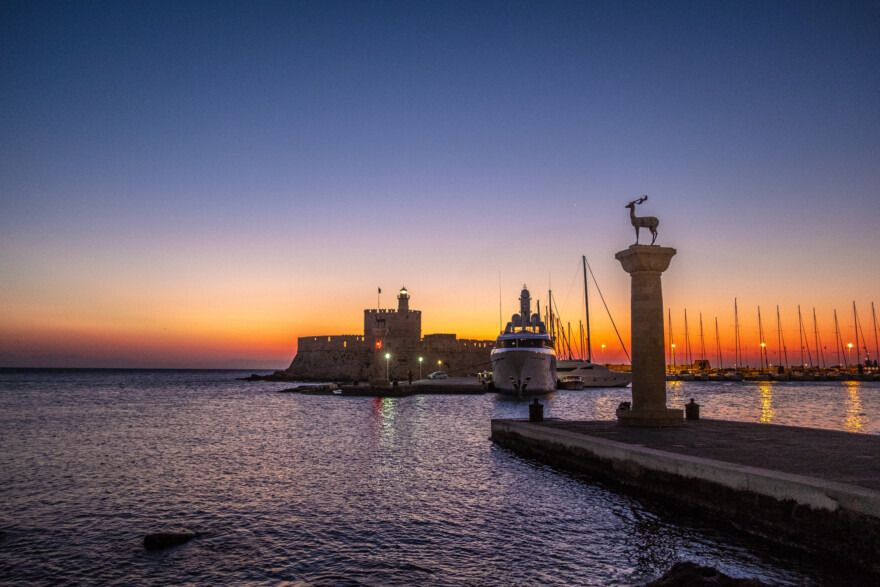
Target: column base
[{"x": 649, "y": 418}]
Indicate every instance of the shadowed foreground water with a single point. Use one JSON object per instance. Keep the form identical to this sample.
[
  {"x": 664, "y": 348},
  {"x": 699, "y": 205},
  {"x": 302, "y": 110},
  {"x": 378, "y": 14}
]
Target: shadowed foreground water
[{"x": 323, "y": 490}]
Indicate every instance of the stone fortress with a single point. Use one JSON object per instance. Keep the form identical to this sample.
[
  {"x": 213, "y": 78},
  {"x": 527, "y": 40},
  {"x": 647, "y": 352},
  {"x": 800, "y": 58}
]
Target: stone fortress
[{"x": 396, "y": 333}]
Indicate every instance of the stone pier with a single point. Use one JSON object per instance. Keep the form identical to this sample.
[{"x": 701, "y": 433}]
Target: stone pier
[{"x": 646, "y": 263}]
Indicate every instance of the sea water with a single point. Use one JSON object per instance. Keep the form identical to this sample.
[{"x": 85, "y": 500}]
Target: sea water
[{"x": 285, "y": 488}]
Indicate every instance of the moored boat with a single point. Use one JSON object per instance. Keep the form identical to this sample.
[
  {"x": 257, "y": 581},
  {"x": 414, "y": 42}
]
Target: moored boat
[
  {"x": 524, "y": 357},
  {"x": 569, "y": 381},
  {"x": 592, "y": 374}
]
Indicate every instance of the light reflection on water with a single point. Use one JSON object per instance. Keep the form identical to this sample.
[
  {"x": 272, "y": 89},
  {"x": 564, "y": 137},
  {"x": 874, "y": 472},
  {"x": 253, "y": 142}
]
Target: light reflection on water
[
  {"x": 854, "y": 414},
  {"x": 766, "y": 402},
  {"x": 344, "y": 491},
  {"x": 850, "y": 406}
]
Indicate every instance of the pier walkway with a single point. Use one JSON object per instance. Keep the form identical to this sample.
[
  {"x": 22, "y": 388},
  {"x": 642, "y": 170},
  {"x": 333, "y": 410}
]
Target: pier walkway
[
  {"x": 824, "y": 454},
  {"x": 815, "y": 489}
]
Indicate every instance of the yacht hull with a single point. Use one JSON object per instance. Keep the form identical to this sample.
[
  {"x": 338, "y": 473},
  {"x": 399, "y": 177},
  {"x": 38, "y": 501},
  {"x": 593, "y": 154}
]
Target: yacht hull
[{"x": 520, "y": 371}]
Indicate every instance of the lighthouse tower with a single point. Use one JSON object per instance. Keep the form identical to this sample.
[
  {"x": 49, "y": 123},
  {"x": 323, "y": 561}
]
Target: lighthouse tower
[{"x": 403, "y": 301}]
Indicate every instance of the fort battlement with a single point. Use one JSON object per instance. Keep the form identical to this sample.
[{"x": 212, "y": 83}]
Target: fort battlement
[{"x": 333, "y": 342}]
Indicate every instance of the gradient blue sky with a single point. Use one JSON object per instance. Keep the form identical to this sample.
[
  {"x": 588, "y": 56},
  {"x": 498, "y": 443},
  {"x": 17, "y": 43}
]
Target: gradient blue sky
[{"x": 188, "y": 182}]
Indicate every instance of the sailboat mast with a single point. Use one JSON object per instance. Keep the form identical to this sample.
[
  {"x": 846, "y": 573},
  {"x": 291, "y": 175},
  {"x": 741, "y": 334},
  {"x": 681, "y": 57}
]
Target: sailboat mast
[
  {"x": 702, "y": 341},
  {"x": 801, "y": 335},
  {"x": 876, "y": 346},
  {"x": 864, "y": 340},
  {"x": 778, "y": 336},
  {"x": 587, "y": 308},
  {"x": 761, "y": 340},
  {"x": 687, "y": 339},
  {"x": 738, "y": 363},
  {"x": 837, "y": 342},
  {"x": 856, "y": 328},
  {"x": 718, "y": 344},
  {"x": 819, "y": 351}
]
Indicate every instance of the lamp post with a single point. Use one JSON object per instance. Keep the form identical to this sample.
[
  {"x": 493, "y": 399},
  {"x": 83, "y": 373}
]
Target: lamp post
[
  {"x": 420, "y": 367},
  {"x": 673, "y": 357},
  {"x": 440, "y": 363},
  {"x": 763, "y": 354},
  {"x": 387, "y": 358},
  {"x": 603, "y": 354},
  {"x": 849, "y": 353}
]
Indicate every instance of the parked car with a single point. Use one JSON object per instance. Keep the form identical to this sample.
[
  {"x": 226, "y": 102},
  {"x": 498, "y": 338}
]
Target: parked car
[{"x": 437, "y": 375}]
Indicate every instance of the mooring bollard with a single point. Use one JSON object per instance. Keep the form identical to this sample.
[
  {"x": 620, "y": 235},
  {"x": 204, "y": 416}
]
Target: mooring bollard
[
  {"x": 692, "y": 410},
  {"x": 536, "y": 411}
]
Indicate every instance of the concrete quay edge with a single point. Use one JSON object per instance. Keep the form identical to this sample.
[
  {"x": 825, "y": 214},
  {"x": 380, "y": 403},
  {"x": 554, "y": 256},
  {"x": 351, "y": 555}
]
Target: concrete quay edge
[{"x": 804, "y": 490}]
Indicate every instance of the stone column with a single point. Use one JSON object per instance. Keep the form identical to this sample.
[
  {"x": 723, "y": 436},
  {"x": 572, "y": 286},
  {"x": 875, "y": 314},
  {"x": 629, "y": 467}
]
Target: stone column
[{"x": 645, "y": 263}]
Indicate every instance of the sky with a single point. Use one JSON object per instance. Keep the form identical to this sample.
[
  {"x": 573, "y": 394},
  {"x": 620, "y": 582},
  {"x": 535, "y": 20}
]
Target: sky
[{"x": 191, "y": 184}]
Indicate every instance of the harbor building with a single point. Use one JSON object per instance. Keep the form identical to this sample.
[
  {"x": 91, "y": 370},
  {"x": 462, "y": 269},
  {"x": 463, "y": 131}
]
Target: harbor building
[{"x": 392, "y": 344}]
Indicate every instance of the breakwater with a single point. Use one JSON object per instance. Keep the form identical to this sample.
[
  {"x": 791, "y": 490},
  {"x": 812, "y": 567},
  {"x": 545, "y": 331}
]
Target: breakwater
[{"x": 760, "y": 478}]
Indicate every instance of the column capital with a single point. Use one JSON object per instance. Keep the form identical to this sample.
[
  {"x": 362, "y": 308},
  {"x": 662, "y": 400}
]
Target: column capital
[{"x": 645, "y": 258}]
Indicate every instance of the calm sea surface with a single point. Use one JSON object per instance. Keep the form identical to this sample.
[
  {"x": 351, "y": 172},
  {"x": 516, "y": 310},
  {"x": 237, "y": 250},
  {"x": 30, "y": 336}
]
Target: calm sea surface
[{"x": 323, "y": 490}]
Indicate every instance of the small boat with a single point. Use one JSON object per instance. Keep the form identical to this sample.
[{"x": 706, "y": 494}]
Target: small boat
[
  {"x": 524, "y": 357},
  {"x": 570, "y": 381}
]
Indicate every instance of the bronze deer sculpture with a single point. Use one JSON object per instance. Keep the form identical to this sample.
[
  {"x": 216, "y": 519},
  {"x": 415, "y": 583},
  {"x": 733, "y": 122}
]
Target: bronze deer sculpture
[{"x": 638, "y": 222}]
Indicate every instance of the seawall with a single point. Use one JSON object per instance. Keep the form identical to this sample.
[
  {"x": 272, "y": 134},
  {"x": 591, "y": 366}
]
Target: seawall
[{"x": 750, "y": 475}]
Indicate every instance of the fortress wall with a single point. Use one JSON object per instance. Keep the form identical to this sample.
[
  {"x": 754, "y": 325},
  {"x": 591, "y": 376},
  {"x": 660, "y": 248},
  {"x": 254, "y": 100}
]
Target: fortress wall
[
  {"x": 320, "y": 358},
  {"x": 331, "y": 357}
]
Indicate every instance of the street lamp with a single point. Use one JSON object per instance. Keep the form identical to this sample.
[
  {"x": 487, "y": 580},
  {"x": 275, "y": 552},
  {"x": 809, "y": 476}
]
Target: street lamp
[
  {"x": 387, "y": 357},
  {"x": 440, "y": 363},
  {"x": 420, "y": 367},
  {"x": 673, "y": 357},
  {"x": 763, "y": 354},
  {"x": 849, "y": 353},
  {"x": 603, "y": 354}
]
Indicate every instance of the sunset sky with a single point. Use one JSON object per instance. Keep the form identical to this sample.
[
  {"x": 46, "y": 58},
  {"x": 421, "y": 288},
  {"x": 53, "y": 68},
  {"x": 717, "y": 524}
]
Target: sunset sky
[{"x": 185, "y": 184}]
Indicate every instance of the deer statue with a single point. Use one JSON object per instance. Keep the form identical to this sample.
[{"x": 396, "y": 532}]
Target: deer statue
[{"x": 648, "y": 222}]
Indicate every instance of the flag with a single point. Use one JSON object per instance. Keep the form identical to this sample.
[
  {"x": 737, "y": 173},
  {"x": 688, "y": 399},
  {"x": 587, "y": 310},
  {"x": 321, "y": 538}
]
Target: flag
[{"x": 380, "y": 290}]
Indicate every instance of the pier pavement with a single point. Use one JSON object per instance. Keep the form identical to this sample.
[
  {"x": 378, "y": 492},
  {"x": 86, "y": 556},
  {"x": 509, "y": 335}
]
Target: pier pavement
[{"x": 814, "y": 489}]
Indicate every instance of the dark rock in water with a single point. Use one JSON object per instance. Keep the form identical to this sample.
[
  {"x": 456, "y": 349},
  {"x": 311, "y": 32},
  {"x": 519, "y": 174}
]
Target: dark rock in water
[
  {"x": 276, "y": 376},
  {"x": 685, "y": 574},
  {"x": 167, "y": 539}
]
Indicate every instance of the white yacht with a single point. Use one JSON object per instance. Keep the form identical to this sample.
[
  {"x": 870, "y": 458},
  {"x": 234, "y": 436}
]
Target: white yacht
[
  {"x": 524, "y": 359},
  {"x": 592, "y": 374}
]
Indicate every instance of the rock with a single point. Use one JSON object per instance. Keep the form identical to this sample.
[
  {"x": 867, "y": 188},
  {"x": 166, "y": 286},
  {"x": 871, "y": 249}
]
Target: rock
[
  {"x": 167, "y": 539},
  {"x": 685, "y": 574}
]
